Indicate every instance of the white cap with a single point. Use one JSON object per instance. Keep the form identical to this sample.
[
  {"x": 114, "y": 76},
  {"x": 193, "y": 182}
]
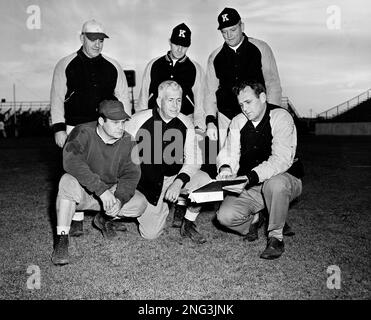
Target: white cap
[{"x": 93, "y": 30}]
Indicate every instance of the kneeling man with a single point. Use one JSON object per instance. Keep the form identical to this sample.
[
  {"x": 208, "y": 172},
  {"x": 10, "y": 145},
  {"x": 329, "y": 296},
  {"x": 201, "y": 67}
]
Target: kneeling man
[
  {"x": 170, "y": 161},
  {"x": 261, "y": 144},
  {"x": 101, "y": 161}
]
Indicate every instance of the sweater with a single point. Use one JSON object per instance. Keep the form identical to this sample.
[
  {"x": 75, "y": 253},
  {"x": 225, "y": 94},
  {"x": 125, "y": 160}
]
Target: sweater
[{"x": 98, "y": 166}]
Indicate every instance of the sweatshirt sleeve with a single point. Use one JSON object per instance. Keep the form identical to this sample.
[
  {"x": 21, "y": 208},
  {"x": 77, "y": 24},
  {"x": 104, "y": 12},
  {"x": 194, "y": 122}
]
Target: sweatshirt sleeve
[
  {"x": 270, "y": 73},
  {"x": 198, "y": 93},
  {"x": 74, "y": 161},
  {"x": 144, "y": 97},
  {"x": 121, "y": 90},
  {"x": 129, "y": 173},
  {"x": 211, "y": 85},
  {"x": 57, "y": 96}
]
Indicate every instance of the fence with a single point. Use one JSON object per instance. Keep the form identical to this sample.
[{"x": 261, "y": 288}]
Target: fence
[{"x": 345, "y": 106}]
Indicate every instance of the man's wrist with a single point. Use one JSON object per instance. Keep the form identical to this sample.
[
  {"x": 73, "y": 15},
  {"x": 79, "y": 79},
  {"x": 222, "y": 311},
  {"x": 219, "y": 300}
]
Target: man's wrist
[{"x": 211, "y": 119}]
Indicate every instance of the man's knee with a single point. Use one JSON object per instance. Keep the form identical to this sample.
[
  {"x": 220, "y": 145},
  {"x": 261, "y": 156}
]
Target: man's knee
[
  {"x": 199, "y": 179},
  {"x": 225, "y": 216},
  {"x": 277, "y": 184},
  {"x": 69, "y": 188},
  {"x": 149, "y": 234},
  {"x": 135, "y": 207}
]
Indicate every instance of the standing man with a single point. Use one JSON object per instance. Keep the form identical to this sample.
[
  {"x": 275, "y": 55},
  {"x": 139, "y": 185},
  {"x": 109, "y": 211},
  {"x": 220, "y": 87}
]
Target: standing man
[
  {"x": 239, "y": 58},
  {"x": 177, "y": 66},
  {"x": 80, "y": 82},
  {"x": 261, "y": 144},
  {"x": 170, "y": 158},
  {"x": 101, "y": 161}
]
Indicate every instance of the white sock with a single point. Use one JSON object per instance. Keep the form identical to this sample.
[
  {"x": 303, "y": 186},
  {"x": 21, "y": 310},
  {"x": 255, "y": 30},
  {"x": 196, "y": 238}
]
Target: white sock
[
  {"x": 61, "y": 229},
  {"x": 191, "y": 216},
  {"x": 277, "y": 233},
  {"x": 79, "y": 216}
]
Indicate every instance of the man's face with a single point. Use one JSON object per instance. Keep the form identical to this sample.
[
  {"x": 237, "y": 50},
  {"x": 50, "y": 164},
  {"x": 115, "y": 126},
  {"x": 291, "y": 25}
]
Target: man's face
[
  {"x": 233, "y": 35},
  {"x": 252, "y": 107},
  {"x": 177, "y": 51},
  {"x": 170, "y": 103},
  {"x": 114, "y": 129},
  {"x": 91, "y": 48}
]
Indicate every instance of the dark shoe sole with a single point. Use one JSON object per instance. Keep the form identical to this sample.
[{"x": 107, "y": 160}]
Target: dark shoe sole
[
  {"x": 271, "y": 257},
  {"x": 184, "y": 234},
  {"x": 76, "y": 233},
  {"x": 61, "y": 262}
]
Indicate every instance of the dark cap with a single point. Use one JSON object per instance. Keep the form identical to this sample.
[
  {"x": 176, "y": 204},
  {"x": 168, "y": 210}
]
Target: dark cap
[
  {"x": 181, "y": 35},
  {"x": 113, "y": 110},
  {"x": 228, "y": 17}
]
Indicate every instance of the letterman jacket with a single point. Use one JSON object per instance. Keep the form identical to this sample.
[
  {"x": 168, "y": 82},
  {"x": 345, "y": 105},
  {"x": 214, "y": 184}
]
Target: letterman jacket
[
  {"x": 165, "y": 149},
  {"x": 261, "y": 152},
  {"x": 80, "y": 83},
  {"x": 253, "y": 60},
  {"x": 187, "y": 73}
]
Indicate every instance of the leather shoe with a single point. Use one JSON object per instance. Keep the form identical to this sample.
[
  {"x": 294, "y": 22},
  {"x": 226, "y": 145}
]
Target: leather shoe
[
  {"x": 274, "y": 249},
  {"x": 76, "y": 229},
  {"x": 119, "y": 225},
  {"x": 189, "y": 229},
  {"x": 254, "y": 227},
  {"x": 60, "y": 253},
  {"x": 105, "y": 225},
  {"x": 287, "y": 231},
  {"x": 179, "y": 212}
]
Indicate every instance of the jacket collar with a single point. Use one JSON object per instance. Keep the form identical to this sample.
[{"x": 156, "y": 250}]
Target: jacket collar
[
  {"x": 82, "y": 55},
  {"x": 168, "y": 58}
]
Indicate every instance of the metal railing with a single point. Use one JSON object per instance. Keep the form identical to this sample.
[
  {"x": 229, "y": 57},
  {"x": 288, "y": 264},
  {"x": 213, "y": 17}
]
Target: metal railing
[
  {"x": 9, "y": 108},
  {"x": 345, "y": 106}
]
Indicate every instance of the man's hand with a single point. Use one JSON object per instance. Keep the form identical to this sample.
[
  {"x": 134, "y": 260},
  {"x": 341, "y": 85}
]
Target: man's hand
[
  {"x": 172, "y": 193},
  {"x": 114, "y": 211},
  {"x": 108, "y": 200},
  {"x": 60, "y": 138},
  {"x": 212, "y": 131},
  {"x": 225, "y": 174}
]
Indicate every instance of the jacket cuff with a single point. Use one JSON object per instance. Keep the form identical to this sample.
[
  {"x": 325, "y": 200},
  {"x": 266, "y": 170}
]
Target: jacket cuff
[
  {"x": 60, "y": 126},
  {"x": 184, "y": 177},
  {"x": 212, "y": 119},
  {"x": 253, "y": 179}
]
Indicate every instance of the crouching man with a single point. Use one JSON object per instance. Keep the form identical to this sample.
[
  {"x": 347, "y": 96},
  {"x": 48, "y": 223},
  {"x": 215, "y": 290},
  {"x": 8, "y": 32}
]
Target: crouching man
[
  {"x": 261, "y": 144},
  {"x": 101, "y": 162},
  {"x": 170, "y": 161}
]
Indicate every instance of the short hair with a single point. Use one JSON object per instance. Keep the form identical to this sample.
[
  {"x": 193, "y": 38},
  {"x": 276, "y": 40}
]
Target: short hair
[
  {"x": 168, "y": 84},
  {"x": 256, "y": 86}
]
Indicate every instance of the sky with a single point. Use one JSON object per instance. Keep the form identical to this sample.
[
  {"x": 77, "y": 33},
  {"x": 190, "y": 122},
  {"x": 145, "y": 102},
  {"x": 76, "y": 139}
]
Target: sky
[{"x": 322, "y": 47}]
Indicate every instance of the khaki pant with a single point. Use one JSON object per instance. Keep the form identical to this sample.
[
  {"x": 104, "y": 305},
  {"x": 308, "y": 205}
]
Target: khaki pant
[
  {"x": 70, "y": 189},
  {"x": 236, "y": 212},
  {"x": 153, "y": 220}
]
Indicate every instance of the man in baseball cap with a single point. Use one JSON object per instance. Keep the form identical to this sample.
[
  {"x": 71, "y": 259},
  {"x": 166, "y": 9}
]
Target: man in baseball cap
[
  {"x": 102, "y": 172},
  {"x": 81, "y": 80},
  {"x": 228, "y": 17},
  {"x": 176, "y": 66},
  {"x": 181, "y": 35},
  {"x": 93, "y": 30},
  {"x": 239, "y": 58},
  {"x": 113, "y": 110}
]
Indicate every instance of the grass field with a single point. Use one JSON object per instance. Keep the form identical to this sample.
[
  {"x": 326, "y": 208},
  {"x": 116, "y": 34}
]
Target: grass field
[{"x": 331, "y": 220}]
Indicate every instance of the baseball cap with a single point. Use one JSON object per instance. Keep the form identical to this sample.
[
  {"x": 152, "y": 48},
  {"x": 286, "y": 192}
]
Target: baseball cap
[
  {"x": 113, "y": 110},
  {"x": 93, "y": 30},
  {"x": 228, "y": 17},
  {"x": 181, "y": 35}
]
